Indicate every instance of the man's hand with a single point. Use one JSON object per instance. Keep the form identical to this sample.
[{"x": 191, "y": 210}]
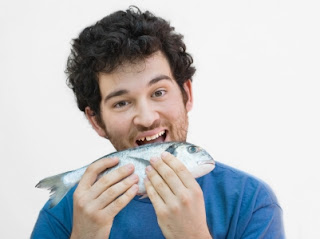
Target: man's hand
[
  {"x": 96, "y": 203},
  {"x": 177, "y": 199}
]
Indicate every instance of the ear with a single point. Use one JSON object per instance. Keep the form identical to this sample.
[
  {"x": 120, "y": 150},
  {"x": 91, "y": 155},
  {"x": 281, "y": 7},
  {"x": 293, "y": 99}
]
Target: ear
[
  {"x": 91, "y": 116},
  {"x": 188, "y": 89}
]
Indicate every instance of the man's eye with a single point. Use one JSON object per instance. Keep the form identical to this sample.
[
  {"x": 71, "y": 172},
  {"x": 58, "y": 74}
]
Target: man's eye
[
  {"x": 159, "y": 93},
  {"x": 121, "y": 104}
]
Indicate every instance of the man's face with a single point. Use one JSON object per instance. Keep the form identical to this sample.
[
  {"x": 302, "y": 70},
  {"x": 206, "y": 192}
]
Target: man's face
[{"x": 142, "y": 103}]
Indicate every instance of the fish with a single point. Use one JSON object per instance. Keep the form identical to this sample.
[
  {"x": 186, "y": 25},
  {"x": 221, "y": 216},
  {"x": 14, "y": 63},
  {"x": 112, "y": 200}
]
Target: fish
[{"x": 198, "y": 161}]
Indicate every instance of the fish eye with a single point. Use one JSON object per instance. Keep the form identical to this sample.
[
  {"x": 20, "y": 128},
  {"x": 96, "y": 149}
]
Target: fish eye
[{"x": 193, "y": 149}]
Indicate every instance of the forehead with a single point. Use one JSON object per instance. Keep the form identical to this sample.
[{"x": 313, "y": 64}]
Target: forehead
[{"x": 135, "y": 74}]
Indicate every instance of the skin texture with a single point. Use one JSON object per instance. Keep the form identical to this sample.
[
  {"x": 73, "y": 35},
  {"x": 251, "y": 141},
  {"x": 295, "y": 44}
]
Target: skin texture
[
  {"x": 146, "y": 108},
  {"x": 140, "y": 100},
  {"x": 96, "y": 204},
  {"x": 177, "y": 199}
]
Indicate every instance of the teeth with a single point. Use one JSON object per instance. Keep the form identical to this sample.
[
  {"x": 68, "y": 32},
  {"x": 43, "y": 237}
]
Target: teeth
[{"x": 152, "y": 137}]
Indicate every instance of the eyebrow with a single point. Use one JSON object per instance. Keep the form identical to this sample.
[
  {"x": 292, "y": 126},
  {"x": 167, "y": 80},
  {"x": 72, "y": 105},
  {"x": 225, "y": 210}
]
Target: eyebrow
[
  {"x": 123, "y": 92},
  {"x": 159, "y": 78}
]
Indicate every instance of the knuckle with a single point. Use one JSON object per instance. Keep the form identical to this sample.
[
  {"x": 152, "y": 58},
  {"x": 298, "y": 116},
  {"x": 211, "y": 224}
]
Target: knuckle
[
  {"x": 80, "y": 203},
  {"x": 198, "y": 194},
  {"x": 112, "y": 192},
  {"x": 169, "y": 158},
  {"x": 88, "y": 212},
  {"x": 91, "y": 169},
  {"x": 185, "y": 199},
  {"x": 119, "y": 203},
  {"x": 151, "y": 194},
  {"x": 163, "y": 213},
  {"x": 76, "y": 195},
  {"x": 127, "y": 183},
  {"x": 160, "y": 185},
  {"x": 124, "y": 170},
  {"x": 104, "y": 179},
  {"x": 168, "y": 174},
  {"x": 174, "y": 208},
  {"x": 96, "y": 218},
  {"x": 181, "y": 168}
]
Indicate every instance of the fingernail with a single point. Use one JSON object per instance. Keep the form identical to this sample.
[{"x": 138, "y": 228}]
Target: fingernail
[
  {"x": 164, "y": 154},
  {"x": 149, "y": 168},
  {"x": 130, "y": 167},
  {"x": 133, "y": 177},
  {"x": 154, "y": 159},
  {"x": 134, "y": 188},
  {"x": 114, "y": 159}
]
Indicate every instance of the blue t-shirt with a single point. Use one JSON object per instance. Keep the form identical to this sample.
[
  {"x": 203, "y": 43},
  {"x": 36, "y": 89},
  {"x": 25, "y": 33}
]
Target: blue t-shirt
[{"x": 237, "y": 206}]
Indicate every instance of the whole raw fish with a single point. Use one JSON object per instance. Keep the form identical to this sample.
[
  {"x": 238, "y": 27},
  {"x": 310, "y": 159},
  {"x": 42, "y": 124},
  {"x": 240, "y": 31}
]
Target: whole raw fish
[{"x": 197, "y": 161}]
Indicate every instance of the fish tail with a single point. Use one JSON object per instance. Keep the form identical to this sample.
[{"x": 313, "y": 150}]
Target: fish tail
[{"x": 58, "y": 189}]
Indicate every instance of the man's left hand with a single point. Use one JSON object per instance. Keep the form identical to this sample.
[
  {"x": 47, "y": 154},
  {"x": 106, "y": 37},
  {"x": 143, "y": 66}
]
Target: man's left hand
[{"x": 177, "y": 198}]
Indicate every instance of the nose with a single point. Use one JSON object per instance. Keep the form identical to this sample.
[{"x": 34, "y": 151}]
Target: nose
[{"x": 146, "y": 115}]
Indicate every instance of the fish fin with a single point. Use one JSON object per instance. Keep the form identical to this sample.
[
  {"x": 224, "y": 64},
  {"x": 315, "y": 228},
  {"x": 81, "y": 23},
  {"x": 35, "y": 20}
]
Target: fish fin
[
  {"x": 56, "y": 186},
  {"x": 139, "y": 159},
  {"x": 143, "y": 196},
  {"x": 142, "y": 161}
]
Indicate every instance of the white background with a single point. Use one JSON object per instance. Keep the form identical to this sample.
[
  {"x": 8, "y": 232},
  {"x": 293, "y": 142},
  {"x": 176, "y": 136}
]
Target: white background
[{"x": 256, "y": 97}]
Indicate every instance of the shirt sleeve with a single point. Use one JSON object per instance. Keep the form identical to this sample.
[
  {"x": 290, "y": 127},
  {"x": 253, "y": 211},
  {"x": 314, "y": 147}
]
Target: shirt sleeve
[
  {"x": 55, "y": 222},
  {"x": 266, "y": 222},
  {"x": 48, "y": 227}
]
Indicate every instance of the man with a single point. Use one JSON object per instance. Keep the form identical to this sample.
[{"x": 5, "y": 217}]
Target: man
[{"x": 132, "y": 76}]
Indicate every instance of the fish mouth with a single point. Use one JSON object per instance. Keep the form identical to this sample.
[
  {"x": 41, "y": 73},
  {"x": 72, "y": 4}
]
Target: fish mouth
[
  {"x": 207, "y": 161},
  {"x": 156, "y": 138}
]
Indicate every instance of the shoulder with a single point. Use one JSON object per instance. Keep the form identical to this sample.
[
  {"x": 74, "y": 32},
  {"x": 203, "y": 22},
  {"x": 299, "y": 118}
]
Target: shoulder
[
  {"x": 246, "y": 204},
  {"x": 232, "y": 182},
  {"x": 55, "y": 222},
  {"x": 61, "y": 213}
]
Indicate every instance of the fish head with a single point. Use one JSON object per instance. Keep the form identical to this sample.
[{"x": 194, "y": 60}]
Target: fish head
[{"x": 197, "y": 160}]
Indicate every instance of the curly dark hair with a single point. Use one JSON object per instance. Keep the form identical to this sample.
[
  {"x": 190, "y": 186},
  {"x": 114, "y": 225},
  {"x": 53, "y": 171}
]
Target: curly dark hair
[{"x": 123, "y": 36}]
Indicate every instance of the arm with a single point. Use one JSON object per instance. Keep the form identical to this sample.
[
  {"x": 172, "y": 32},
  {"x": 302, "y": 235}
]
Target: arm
[{"x": 177, "y": 199}]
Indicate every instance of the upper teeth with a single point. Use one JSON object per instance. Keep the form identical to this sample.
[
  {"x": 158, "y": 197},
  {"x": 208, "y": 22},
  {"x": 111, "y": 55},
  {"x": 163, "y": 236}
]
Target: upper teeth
[{"x": 148, "y": 138}]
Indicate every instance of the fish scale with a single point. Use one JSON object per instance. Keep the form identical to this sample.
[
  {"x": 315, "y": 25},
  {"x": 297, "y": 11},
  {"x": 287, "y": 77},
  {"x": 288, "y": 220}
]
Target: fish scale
[{"x": 196, "y": 160}]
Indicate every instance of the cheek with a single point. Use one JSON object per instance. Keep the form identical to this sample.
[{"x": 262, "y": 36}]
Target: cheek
[
  {"x": 117, "y": 124},
  {"x": 173, "y": 110}
]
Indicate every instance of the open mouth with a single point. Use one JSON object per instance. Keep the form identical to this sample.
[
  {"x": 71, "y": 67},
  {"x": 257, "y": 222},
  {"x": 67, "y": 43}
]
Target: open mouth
[{"x": 157, "y": 138}]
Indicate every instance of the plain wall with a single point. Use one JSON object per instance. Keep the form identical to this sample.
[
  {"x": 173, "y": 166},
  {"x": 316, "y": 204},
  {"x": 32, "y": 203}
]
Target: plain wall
[{"x": 256, "y": 93}]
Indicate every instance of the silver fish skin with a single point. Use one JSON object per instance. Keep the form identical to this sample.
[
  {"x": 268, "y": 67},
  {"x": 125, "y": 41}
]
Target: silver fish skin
[{"x": 196, "y": 160}]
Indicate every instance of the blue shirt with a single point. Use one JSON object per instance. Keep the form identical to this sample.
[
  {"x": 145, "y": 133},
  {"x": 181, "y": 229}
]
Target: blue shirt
[{"x": 237, "y": 206}]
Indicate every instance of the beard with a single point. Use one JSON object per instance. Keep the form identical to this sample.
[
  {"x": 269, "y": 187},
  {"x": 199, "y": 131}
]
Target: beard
[{"x": 176, "y": 130}]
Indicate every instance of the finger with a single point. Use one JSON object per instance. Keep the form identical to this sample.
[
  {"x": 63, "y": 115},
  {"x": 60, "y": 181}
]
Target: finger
[
  {"x": 153, "y": 195},
  {"x": 109, "y": 195},
  {"x": 168, "y": 174},
  {"x": 159, "y": 184},
  {"x": 94, "y": 169},
  {"x": 117, "y": 205},
  {"x": 180, "y": 169},
  {"x": 110, "y": 179}
]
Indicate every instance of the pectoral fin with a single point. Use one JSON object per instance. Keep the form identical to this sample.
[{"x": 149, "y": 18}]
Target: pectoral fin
[{"x": 141, "y": 160}]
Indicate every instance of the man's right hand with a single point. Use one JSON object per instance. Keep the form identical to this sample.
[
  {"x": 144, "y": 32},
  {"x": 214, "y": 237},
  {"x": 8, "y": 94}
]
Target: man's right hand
[{"x": 96, "y": 203}]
